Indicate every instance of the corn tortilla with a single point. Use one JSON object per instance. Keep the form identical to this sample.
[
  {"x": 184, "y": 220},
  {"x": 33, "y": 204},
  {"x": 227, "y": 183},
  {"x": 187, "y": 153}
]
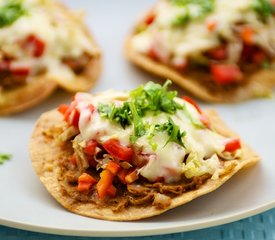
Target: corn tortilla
[{"x": 46, "y": 153}]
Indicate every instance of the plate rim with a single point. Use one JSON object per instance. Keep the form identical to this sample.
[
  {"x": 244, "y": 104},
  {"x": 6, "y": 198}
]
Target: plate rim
[{"x": 142, "y": 232}]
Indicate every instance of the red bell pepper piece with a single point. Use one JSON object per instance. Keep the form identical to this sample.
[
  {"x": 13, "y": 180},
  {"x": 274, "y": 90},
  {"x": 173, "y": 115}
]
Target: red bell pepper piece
[
  {"x": 226, "y": 73},
  {"x": 85, "y": 182},
  {"x": 35, "y": 45},
  {"x": 90, "y": 147},
  {"x": 116, "y": 150},
  {"x": 191, "y": 101},
  {"x": 232, "y": 145}
]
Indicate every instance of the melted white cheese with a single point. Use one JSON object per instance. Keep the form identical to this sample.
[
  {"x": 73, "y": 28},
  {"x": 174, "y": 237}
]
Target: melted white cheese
[{"x": 166, "y": 161}]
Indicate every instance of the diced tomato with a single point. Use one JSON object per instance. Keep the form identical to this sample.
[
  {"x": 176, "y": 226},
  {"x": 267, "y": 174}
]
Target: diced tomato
[
  {"x": 226, "y": 73},
  {"x": 111, "y": 191},
  {"x": 75, "y": 117},
  {"x": 121, "y": 174},
  {"x": 112, "y": 167},
  {"x": 85, "y": 182},
  {"x": 90, "y": 147},
  {"x": 131, "y": 177},
  {"x": 72, "y": 115},
  {"x": 180, "y": 64},
  {"x": 14, "y": 68},
  {"x": 218, "y": 53},
  {"x": 21, "y": 70},
  {"x": 191, "y": 101},
  {"x": 247, "y": 35},
  {"x": 211, "y": 25},
  {"x": 106, "y": 179},
  {"x": 113, "y": 147},
  {"x": 35, "y": 45},
  {"x": 62, "y": 108},
  {"x": 232, "y": 145},
  {"x": 150, "y": 18}
]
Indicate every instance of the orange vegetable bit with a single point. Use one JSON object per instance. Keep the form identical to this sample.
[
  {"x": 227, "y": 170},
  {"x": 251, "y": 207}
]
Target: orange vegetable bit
[
  {"x": 62, "y": 108},
  {"x": 106, "y": 179},
  {"x": 247, "y": 35},
  {"x": 131, "y": 177},
  {"x": 211, "y": 25},
  {"x": 85, "y": 182},
  {"x": 121, "y": 174},
  {"x": 112, "y": 167}
]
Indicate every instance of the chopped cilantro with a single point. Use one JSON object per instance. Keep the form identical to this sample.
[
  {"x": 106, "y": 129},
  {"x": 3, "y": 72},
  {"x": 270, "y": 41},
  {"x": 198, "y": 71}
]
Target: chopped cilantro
[
  {"x": 138, "y": 124},
  {"x": 120, "y": 115},
  {"x": 10, "y": 12},
  {"x": 4, "y": 157},
  {"x": 173, "y": 131},
  {"x": 154, "y": 97},
  {"x": 264, "y": 8}
]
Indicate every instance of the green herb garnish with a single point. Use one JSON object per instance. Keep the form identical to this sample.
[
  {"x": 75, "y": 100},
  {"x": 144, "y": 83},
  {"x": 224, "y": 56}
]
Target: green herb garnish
[
  {"x": 264, "y": 8},
  {"x": 156, "y": 98},
  {"x": 10, "y": 12},
  {"x": 204, "y": 7},
  {"x": 121, "y": 115},
  {"x": 4, "y": 157},
  {"x": 173, "y": 131}
]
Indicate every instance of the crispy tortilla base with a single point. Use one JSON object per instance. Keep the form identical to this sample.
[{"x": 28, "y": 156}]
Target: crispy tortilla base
[
  {"x": 27, "y": 96},
  {"x": 46, "y": 154},
  {"x": 258, "y": 84}
]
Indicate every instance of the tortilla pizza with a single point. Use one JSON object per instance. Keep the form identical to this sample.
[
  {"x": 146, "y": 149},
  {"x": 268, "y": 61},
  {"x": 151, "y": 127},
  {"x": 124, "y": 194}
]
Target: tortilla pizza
[
  {"x": 128, "y": 155},
  {"x": 43, "y": 45},
  {"x": 220, "y": 51}
]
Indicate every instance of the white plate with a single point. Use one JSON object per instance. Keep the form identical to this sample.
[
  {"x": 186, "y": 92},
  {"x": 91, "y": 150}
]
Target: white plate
[{"x": 26, "y": 204}]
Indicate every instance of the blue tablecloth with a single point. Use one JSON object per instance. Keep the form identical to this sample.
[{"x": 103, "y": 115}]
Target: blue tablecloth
[{"x": 259, "y": 227}]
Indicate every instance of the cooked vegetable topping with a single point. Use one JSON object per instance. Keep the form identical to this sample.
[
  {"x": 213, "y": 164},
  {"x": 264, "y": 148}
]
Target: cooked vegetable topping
[
  {"x": 147, "y": 133},
  {"x": 10, "y": 12},
  {"x": 4, "y": 157}
]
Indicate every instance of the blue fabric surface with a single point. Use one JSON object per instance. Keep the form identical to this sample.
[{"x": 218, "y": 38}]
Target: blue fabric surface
[{"x": 259, "y": 227}]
